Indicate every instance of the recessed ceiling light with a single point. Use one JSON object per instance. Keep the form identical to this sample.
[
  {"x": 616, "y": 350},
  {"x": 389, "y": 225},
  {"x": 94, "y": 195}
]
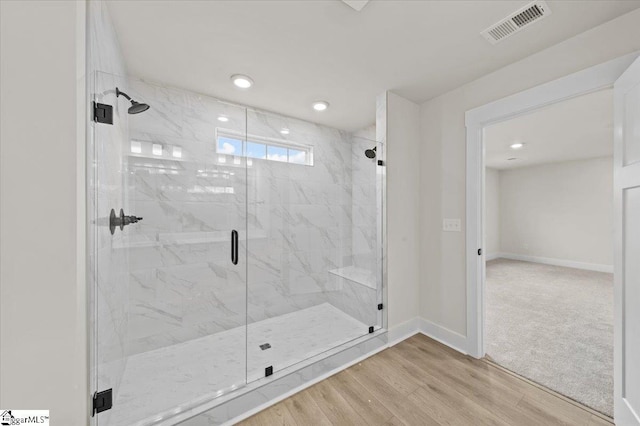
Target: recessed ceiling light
[
  {"x": 284, "y": 131},
  {"x": 320, "y": 105},
  {"x": 242, "y": 81},
  {"x": 223, "y": 118},
  {"x": 516, "y": 145}
]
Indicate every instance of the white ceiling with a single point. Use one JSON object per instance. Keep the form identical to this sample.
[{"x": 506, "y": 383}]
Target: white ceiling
[
  {"x": 301, "y": 51},
  {"x": 575, "y": 129}
]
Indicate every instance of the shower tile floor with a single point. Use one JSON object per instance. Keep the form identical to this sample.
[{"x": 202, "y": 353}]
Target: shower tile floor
[{"x": 196, "y": 371}]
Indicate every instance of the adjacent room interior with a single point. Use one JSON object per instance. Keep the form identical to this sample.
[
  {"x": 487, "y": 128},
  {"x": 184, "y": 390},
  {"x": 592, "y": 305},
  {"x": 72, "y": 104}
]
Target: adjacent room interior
[{"x": 549, "y": 237}]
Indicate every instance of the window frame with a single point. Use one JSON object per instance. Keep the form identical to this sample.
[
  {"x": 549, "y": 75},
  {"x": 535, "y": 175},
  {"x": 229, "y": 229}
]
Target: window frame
[{"x": 267, "y": 142}]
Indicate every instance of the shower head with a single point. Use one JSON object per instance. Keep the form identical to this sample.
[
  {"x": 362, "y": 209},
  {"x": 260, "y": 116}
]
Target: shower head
[
  {"x": 136, "y": 107},
  {"x": 371, "y": 153}
]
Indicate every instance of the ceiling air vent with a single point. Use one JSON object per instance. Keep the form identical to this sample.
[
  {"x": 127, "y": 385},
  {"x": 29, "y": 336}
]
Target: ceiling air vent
[
  {"x": 357, "y": 5},
  {"x": 529, "y": 14}
]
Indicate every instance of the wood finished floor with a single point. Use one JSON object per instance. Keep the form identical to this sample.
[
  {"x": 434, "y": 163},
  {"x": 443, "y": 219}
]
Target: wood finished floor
[{"x": 422, "y": 382}]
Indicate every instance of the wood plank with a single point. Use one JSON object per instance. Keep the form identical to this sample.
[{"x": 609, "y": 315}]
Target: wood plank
[
  {"x": 484, "y": 390},
  {"x": 363, "y": 401},
  {"x": 392, "y": 373},
  {"x": 547, "y": 416},
  {"x": 422, "y": 382},
  {"x": 472, "y": 384},
  {"x": 537, "y": 402},
  {"x": 564, "y": 412},
  {"x": 394, "y": 421},
  {"x": 305, "y": 411},
  {"x": 276, "y": 415},
  {"x": 598, "y": 421},
  {"x": 549, "y": 396},
  {"x": 394, "y": 399},
  {"x": 440, "y": 400},
  {"x": 334, "y": 406}
]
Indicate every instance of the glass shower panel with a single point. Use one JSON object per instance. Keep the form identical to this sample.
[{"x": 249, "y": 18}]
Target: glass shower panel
[
  {"x": 313, "y": 271},
  {"x": 171, "y": 288},
  {"x": 109, "y": 255},
  {"x": 367, "y": 206}
]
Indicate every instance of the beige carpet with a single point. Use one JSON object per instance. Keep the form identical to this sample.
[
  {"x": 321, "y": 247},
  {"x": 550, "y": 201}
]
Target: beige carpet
[{"x": 553, "y": 325}]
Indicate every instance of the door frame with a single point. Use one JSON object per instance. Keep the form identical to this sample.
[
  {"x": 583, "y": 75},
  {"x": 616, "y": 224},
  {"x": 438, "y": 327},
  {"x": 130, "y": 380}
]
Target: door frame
[{"x": 590, "y": 80}]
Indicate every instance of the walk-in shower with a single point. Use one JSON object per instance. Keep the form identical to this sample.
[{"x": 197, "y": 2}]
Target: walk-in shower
[{"x": 259, "y": 252}]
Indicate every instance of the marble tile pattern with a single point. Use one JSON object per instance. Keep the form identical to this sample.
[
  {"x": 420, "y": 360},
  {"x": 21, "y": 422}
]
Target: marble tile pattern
[
  {"x": 296, "y": 222},
  {"x": 183, "y": 284},
  {"x": 160, "y": 382},
  {"x": 364, "y": 204},
  {"x": 362, "y": 276}
]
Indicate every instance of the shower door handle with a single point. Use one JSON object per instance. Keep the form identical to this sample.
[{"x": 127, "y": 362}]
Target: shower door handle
[{"x": 234, "y": 247}]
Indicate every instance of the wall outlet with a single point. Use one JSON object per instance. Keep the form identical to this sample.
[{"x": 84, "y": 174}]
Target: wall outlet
[{"x": 451, "y": 225}]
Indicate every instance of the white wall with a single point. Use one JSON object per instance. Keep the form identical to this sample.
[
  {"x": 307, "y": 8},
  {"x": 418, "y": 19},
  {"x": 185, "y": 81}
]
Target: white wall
[
  {"x": 403, "y": 221},
  {"x": 561, "y": 211},
  {"x": 43, "y": 335},
  {"x": 492, "y": 212},
  {"x": 442, "y": 156}
]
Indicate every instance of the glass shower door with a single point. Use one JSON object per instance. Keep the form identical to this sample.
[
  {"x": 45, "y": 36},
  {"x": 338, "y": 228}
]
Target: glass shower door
[
  {"x": 170, "y": 289},
  {"x": 314, "y": 269}
]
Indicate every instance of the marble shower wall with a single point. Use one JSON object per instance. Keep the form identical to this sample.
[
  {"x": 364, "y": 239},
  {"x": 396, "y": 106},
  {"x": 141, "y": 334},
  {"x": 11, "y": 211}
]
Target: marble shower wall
[
  {"x": 183, "y": 284},
  {"x": 360, "y": 278},
  {"x": 301, "y": 216},
  {"x": 296, "y": 220},
  {"x": 364, "y": 204}
]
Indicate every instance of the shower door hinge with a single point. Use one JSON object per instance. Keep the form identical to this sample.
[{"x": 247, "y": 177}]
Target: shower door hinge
[
  {"x": 371, "y": 329},
  {"x": 102, "y": 113},
  {"x": 102, "y": 401},
  {"x": 268, "y": 371},
  {"x": 380, "y": 163},
  {"x": 380, "y": 306}
]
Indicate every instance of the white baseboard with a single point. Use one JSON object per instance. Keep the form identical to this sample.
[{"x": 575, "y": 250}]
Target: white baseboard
[
  {"x": 403, "y": 331},
  {"x": 438, "y": 333},
  {"x": 557, "y": 262},
  {"x": 444, "y": 335},
  {"x": 492, "y": 256}
]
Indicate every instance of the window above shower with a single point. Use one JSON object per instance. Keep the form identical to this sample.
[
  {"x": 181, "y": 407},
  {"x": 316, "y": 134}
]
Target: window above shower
[{"x": 229, "y": 142}]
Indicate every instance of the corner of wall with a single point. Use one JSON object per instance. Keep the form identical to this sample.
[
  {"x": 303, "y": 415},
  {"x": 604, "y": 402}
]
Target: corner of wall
[{"x": 402, "y": 144}]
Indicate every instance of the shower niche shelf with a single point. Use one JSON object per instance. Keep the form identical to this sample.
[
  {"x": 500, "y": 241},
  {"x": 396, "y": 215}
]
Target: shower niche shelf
[{"x": 357, "y": 275}]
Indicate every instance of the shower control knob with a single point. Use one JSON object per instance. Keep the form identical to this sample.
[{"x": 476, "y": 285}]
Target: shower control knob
[
  {"x": 131, "y": 219},
  {"x": 120, "y": 221}
]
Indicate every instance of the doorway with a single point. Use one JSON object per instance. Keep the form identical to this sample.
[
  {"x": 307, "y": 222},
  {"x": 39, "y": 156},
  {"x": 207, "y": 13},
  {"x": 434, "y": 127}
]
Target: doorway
[
  {"x": 623, "y": 74},
  {"x": 548, "y": 226}
]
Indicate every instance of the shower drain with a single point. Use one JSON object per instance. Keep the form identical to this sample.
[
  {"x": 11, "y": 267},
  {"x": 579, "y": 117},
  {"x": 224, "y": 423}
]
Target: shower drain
[{"x": 265, "y": 346}]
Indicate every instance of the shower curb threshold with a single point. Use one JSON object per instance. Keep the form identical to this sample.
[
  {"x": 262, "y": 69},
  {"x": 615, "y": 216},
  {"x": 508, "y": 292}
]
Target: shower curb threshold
[{"x": 242, "y": 402}]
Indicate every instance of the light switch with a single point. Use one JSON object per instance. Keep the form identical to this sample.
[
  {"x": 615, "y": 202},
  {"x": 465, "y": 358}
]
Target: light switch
[{"x": 451, "y": 225}]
